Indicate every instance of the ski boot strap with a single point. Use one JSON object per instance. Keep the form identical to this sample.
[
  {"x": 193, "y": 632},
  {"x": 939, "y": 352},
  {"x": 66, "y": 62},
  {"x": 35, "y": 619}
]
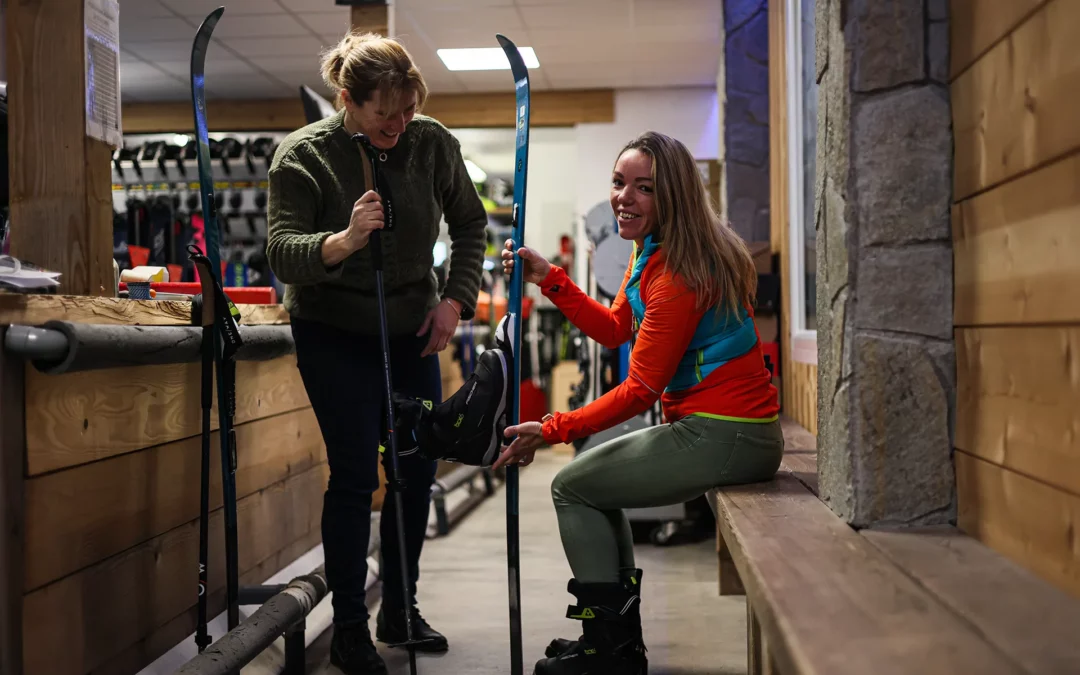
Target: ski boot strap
[{"x": 585, "y": 612}]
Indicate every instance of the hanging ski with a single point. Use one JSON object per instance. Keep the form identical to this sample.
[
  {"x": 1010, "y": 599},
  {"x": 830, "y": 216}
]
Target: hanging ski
[
  {"x": 226, "y": 334},
  {"x": 521, "y": 166}
]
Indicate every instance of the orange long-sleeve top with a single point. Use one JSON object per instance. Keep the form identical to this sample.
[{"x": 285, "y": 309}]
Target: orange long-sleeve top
[{"x": 741, "y": 389}]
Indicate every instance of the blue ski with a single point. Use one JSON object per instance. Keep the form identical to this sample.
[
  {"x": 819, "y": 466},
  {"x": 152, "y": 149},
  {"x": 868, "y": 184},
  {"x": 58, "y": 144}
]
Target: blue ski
[
  {"x": 225, "y": 332},
  {"x": 521, "y": 168}
]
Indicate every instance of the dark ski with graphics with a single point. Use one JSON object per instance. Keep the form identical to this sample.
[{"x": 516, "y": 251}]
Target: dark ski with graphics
[
  {"x": 226, "y": 335},
  {"x": 521, "y": 166}
]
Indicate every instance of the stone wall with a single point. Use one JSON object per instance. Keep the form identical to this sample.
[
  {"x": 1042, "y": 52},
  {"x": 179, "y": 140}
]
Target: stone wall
[
  {"x": 745, "y": 98},
  {"x": 884, "y": 261}
]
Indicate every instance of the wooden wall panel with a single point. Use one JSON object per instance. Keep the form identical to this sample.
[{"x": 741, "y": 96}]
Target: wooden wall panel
[
  {"x": 145, "y": 651},
  {"x": 798, "y": 380},
  {"x": 81, "y": 515},
  {"x": 1017, "y": 400},
  {"x": 1015, "y": 250},
  {"x": 976, "y": 25},
  {"x": 80, "y": 417},
  {"x": 1016, "y": 108},
  {"x": 1028, "y": 521},
  {"x": 88, "y": 618}
]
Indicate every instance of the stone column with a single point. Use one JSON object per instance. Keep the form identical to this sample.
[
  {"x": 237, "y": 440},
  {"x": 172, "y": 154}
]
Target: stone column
[
  {"x": 745, "y": 117},
  {"x": 886, "y": 356}
]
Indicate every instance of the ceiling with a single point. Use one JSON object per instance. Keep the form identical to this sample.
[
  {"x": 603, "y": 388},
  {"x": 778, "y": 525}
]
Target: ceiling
[{"x": 267, "y": 48}]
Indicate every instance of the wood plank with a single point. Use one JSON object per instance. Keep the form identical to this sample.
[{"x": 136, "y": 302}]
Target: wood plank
[
  {"x": 61, "y": 193},
  {"x": 79, "y": 516},
  {"x": 828, "y": 602},
  {"x": 1029, "y": 620},
  {"x": 35, "y": 310},
  {"x": 12, "y": 511},
  {"x": 1013, "y": 250},
  {"x": 80, "y": 417},
  {"x": 1016, "y": 400},
  {"x": 1029, "y": 522},
  {"x": 82, "y": 621},
  {"x": 145, "y": 651},
  {"x": 371, "y": 19},
  {"x": 1016, "y": 108},
  {"x": 562, "y": 108},
  {"x": 976, "y": 25}
]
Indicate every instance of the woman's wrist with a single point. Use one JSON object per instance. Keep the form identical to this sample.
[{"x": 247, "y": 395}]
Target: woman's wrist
[
  {"x": 337, "y": 247},
  {"x": 455, "y": 305}
]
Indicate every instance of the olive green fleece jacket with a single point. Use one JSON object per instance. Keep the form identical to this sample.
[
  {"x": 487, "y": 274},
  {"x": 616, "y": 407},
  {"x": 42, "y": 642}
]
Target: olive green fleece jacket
[{"x": 315, "y": 178}]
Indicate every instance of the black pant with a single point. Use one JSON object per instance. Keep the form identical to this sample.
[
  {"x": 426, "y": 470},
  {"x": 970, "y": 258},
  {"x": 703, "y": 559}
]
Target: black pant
[{"x": 343, "y": 376}]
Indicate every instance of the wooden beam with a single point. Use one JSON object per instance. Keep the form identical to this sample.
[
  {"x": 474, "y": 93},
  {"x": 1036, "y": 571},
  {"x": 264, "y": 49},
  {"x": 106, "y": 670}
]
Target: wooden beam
[
  {"x": 61, "y": 185},
  {"x": 483, "y": 110},
  {"x": 371, "y": 19},
  {"x": 12, "y": 511},
  {"x": 35, "y": 310}
]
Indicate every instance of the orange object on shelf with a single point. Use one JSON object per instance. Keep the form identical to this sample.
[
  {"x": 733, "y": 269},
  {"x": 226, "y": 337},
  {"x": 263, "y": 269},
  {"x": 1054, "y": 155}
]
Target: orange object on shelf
[{"x": 483, "y": 307}]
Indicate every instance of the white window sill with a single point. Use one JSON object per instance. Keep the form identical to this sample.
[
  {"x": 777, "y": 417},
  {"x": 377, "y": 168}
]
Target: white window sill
[{"x": 804, "y": 347}]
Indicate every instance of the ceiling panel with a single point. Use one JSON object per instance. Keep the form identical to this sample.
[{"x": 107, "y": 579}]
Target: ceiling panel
[
  {"x": 580, "y": 43},
  {"x": 261, "y": 25},
  {"x": 199, "y": 9},
  {"x": 326, "y": 23}
]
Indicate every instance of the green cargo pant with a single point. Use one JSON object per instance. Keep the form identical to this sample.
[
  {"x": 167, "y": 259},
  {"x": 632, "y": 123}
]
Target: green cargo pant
[{"x": 659, "y": 466}]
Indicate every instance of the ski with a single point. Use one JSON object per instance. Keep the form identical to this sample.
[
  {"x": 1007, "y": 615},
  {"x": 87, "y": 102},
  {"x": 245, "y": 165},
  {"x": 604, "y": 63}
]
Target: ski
[
  {"x": 225, "y": 322},
  {"x": 521, "y": 167}
]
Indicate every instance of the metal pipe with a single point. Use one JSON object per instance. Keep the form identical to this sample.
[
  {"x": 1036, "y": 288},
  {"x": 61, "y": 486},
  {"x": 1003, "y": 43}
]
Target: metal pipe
[
  {"x": 242, "y": 644},
  {"x": 63, "y": 346}
]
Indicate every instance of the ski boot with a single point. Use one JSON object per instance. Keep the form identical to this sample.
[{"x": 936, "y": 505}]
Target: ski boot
[
  {"x": 611, "y": 641},
  {"x": 630, "y": 577},
  {"x": 466, "y": 428}
]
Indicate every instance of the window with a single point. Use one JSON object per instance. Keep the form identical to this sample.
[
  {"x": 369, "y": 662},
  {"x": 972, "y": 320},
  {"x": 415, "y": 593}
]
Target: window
[{"x": 802, "y": 149}]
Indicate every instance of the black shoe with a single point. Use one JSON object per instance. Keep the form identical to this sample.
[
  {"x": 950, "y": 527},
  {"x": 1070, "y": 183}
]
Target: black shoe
[
  {"x": 631, "y": 581},
  {"x": 611, "y": 642},
  {"x": 353, "y": 652},
  {"x": 390, "y": 628},
  {"x": 467, "y": 427}
]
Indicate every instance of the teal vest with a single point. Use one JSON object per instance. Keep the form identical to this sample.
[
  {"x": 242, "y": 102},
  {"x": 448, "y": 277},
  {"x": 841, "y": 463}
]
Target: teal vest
[{"x": 719, "y": 338}]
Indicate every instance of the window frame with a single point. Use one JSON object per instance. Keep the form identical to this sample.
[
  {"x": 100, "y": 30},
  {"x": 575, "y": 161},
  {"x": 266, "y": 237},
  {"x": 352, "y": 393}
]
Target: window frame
[{"x": 803, "y": 340}]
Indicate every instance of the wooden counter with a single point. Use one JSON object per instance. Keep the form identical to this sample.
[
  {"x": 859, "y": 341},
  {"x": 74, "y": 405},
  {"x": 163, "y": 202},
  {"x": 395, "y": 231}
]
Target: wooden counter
[{"x": 100, "y": 490}]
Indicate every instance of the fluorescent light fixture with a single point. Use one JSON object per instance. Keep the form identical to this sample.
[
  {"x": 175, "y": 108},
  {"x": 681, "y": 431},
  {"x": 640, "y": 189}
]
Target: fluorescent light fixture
[
  {"x": 477, "y": 174},
  {"x": 484, "y": 58}
]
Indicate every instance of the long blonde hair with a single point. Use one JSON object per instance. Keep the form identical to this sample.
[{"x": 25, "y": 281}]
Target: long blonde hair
[
  {"x": 365, "y": 62},
  {"x": 710, "y": 258}
]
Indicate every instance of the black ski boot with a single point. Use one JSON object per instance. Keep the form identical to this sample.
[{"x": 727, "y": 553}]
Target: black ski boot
[
  {"x": 611, "y": 642},
  {"x": 353, "y": 652},
  {"x": 466, "y": 428},
  {"x": 630, "y": 577}
]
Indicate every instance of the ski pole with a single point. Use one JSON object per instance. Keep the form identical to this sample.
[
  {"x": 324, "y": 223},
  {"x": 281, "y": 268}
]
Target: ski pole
[
  {"x": 397, "y": 484},
  {"x": 202, "y": 314}
]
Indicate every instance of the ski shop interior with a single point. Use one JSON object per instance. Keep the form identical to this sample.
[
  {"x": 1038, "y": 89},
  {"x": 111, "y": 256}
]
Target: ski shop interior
[{"x": 904, "y": 173}]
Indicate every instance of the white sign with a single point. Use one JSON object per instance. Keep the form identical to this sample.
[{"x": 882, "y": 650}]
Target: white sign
[{"x": 102, "y": 77}]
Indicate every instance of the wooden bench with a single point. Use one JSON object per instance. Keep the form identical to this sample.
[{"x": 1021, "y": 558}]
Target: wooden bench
[{"x": 823, "y": 598}]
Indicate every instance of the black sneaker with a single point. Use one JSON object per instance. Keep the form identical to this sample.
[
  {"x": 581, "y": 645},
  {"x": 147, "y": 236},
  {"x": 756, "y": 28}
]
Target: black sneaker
[
  {"x": 466, "y": 428},
  {"x": 391, "y": 629},
  {"x": 353, "y": 652}
]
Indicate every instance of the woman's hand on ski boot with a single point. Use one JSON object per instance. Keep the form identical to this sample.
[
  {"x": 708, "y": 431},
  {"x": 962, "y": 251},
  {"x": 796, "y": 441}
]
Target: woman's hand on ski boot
[
  {"x": 521, "y": 451},
  {"x": 536, "y": 266}
]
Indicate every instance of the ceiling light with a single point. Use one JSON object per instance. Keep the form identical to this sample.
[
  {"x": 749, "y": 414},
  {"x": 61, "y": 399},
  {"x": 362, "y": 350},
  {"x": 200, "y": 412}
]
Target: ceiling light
[{"x": 484, "y": 58}]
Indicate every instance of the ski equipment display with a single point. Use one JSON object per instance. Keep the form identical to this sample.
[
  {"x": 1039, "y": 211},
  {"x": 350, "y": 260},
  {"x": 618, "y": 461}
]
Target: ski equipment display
[
  {"x": 517, "y": 236},
  {"x": 396, "y": 484},
  {"x": 226, "y": 334}
]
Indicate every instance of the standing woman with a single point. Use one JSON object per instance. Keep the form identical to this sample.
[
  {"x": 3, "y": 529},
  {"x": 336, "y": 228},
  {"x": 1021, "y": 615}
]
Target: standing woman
[
  {"x": 321, "y": 215},
  {"x": 686, "y": 300}
]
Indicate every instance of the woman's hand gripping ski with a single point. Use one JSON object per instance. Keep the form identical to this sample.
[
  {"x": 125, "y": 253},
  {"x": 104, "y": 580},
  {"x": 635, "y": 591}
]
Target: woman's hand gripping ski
[{"x": 529, "y": 437}]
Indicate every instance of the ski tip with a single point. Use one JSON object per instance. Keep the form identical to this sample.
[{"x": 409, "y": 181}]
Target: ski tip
[
  {"x": 211, "y": 20},
  {"x": 505, "y": 41}
]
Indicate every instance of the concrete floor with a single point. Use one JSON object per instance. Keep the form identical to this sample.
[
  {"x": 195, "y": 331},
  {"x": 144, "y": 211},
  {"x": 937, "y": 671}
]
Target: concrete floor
[{"x": 689, "y": 629}]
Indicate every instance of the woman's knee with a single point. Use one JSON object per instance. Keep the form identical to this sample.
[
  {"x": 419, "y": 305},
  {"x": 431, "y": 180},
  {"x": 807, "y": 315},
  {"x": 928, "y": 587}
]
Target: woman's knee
[{"x": 560, "y": 486}]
